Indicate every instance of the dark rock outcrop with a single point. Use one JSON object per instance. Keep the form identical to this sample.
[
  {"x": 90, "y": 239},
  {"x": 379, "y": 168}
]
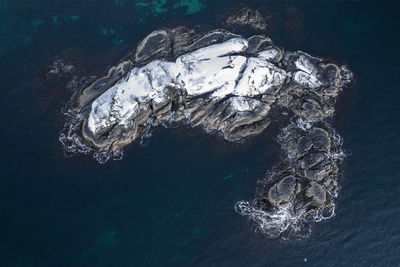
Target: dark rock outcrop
[{"x": 227, "y": 84}]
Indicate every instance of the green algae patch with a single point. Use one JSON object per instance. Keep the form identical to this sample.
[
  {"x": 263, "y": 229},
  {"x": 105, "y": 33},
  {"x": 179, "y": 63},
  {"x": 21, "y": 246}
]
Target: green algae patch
[
  {"x": 107, "y": 31},
  {"x": 160, "y": 7},
  {"x": 179, "y": 214},
  {"x": 107, "y": 239},
  {"x": 119, "y": 2},
  {"x": 155, "y": 7},
  {"x": 103, "y": 31},
  {"x": 192, "y": 6},
  {"x": 196, "y": 231},
  {"x": 229, "y": 176},
  {"x": 37, "y": 22},
  {"x": 74, "y": 17},
  {"x": 59, "y": 18},
  {"x": 118, "y": 41},
  {"x": 97, "y": 252}
]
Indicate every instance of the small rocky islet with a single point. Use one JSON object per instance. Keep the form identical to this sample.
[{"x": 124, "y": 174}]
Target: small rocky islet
[{"x": 229, "y": 85}]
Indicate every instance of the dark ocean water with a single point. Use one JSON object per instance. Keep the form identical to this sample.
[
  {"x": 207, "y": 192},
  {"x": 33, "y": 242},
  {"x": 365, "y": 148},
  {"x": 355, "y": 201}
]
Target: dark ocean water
[{"x": 171, "y": 203}]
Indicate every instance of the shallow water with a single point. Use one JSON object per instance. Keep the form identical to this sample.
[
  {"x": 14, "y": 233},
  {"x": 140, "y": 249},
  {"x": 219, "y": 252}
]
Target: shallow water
[{"x": 170, "y": 203}]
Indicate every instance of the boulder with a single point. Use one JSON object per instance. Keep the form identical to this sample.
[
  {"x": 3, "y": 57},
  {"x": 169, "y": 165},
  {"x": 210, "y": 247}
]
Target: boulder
[{"x": 282, "y": 191}]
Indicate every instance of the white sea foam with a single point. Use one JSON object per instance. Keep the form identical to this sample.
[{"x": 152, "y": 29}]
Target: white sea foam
[
  {"x": 327, "y": 213},
  {"x": 70, "y": 140},
  {"x": 283, "y": 222},
  {"x": 275, "y": 223}
]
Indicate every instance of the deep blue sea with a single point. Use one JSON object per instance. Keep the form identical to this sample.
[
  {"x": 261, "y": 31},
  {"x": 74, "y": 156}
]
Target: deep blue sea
[{"x": 171, "y": 203}]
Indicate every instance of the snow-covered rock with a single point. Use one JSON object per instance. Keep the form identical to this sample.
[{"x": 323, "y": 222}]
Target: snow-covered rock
[
  {"x": 217, "y": 70},
  {"x": 218, "y": 80}
]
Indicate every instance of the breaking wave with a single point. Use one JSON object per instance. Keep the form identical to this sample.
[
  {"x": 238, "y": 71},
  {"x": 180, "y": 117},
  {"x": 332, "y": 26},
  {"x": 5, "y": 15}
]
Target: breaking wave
[
  {"x": 73, "y": 144},
  {"x": 69, "y": 138},
  {"x": 281, "y": 222}
]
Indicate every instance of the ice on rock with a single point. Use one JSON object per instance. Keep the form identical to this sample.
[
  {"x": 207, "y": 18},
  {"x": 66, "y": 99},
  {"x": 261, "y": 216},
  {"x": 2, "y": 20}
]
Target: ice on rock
[
  {"x": 234, "y": 45},
  {"x": 206, "y": 76},
  {"x": 239, "y": 103},
  {"x": 228, "y": 76},
  {"x": 269, "y": 54},
  {"x": 218, "y": 70},
  {"x": 214, "y": 69},
  {"x": 258, "y": 77},
  {"x": 100, "y": 110},
  {"x": 307, "y": 74}
]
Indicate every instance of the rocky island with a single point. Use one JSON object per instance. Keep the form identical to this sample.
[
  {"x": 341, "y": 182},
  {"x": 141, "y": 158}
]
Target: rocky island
[{"x": 226, "y": 84}]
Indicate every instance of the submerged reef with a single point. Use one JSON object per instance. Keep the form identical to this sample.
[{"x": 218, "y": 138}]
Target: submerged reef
[{"x": 229, "y": 85}]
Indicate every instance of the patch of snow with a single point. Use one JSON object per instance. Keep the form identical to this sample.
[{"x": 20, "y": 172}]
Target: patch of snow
[
  {"x": 307, "y": 74},
  {"x": 270, "y": 54},
  {"x": 234, "y": 45},
  {"x": 259, "y": 76},
  {"x": 217, "y": 70}
]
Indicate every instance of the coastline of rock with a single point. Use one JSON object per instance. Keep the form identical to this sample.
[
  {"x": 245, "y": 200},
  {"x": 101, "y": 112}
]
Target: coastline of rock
[{"x": 226, "y": 84}]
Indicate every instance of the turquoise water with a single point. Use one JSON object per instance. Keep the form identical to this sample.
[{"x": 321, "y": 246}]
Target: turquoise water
[{"x": 170, "y": 203}]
